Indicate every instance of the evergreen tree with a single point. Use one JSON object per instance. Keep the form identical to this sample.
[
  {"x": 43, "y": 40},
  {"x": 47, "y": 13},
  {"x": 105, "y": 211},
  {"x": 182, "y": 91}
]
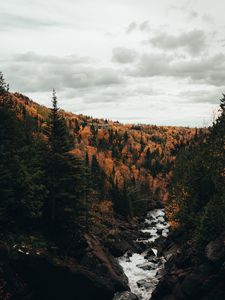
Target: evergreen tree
[
  {"x": 21, "y": 177},
  {"x": 65, "y": 174},
  {"x": 98, "y": 177},
  {"x": 4, "y": 87},
  {"x": 198, "y": 186}
]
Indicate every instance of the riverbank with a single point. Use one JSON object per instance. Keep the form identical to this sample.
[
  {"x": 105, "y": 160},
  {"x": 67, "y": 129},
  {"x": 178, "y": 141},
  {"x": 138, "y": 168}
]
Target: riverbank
[{"x": 188, "y": 278}]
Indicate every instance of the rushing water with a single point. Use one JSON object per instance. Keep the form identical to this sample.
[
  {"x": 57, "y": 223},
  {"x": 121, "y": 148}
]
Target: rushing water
[{"x": 143, "y": 270}]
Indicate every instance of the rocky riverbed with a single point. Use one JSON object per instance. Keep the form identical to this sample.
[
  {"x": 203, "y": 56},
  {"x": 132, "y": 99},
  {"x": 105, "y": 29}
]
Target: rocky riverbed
[{"x": 144, "y": 269}]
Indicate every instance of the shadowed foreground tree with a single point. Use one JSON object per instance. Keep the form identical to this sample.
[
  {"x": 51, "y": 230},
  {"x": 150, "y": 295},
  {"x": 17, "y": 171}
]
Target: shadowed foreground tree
[
  {"x": 198, "y": 188},
  {"x": 22, "y": 188},
  {"x": 65, "y": 174}
]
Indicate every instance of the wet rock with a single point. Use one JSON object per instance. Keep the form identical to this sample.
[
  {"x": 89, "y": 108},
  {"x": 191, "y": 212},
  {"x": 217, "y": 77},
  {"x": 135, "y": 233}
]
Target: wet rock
[
  {"x": 164, "y": 288},
  {"x": 144, "y": 284},
  {"x": 125, "y": 296},
  {"x": 143, "y": 246},
  {"x": 150, "y": 253},
  {"x": 160, "y": 273},
  {"x": 129, "y": 253},
  {"x": 148, "y": 266},
  {"x": 215, "y": 250}
]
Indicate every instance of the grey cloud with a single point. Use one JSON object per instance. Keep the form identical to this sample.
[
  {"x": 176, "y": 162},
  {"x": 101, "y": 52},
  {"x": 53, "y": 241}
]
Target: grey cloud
[
  {"x": 194, "y": 42},
  {"x": 202, "y": 96},
  {"x": 134, "y": 26},
  {"x": 13, "y": 21},
  {"x": 208, "y": 70},
  {"x": 208, "y": 18},
  {"x": 144, "y": 26},
  {"x": 131, "y": 27},
  {"x": 151, "y": 65},
  {"x": 190, "y": 13},
  {"x": 124, "y": 55},
  {"x": 34, "y": 73},
  {"x": 52, "y": 59},
  {"x": 193, "y": 14}
]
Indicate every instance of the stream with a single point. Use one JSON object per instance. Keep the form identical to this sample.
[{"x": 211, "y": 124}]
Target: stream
[{"x": 144, "y": 270}]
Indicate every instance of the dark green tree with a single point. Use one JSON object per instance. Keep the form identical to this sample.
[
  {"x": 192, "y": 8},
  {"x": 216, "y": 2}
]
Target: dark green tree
[
  {"x": 4, "y": 87},
  {"x": 65, "y": 174}
]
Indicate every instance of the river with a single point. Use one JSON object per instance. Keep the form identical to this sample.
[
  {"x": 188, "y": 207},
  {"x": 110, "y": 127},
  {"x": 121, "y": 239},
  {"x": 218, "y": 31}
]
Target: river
[{"x": 144, "y": 270}]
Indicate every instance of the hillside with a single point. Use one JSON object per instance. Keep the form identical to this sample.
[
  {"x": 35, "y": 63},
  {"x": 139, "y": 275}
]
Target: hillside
[
  {"x": 132, "y": 159},
  {"x": 71, "y": 190},
  {"x": 74, "y": 191}
]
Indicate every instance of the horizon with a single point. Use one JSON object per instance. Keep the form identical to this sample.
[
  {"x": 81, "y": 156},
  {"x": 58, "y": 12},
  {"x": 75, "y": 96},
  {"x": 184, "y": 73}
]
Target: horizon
[
  {"x": 114, "y": 120},
  {"x": 154, "y": 63}
]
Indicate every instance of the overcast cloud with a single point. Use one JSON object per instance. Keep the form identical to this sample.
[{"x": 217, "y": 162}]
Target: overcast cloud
[{"x": 136, "y": 61}]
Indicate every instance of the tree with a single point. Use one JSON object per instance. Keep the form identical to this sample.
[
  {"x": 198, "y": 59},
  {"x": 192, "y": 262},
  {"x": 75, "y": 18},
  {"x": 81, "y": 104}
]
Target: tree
[
  {"x": 22, "y": 189},
  {"x": 198, "y": 187},
  {"x": 98, "y": 177},
  {"x": 4, "y": 87},
  {"x": 58, "y": 133},
  {"x": 65, "y": 174}
]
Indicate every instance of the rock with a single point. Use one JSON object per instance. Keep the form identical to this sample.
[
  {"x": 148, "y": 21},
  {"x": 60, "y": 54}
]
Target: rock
[
  {"x": 150, "y": 253},
  {"x": 125, "y": 296},
  {"x": 118, "y": 247},
  {"x": 191, "y": 284},
  {"x": 147, "y": 266},
  {"x": 144, "y": 284},
  {"x": 215, "y": 250},
  {"x": 4, "y": 250},
  {"x": 177, "y": 291},
  {"x": 164, "y": 288},
  {"x": 152, "y": 259},
  {"x": 143, "y": 246},
  {"x": 12, "y": 286},
  {"x": 98, "y": 276}
]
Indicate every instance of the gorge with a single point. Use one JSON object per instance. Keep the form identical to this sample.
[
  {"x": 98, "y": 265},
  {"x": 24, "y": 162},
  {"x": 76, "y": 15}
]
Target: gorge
[
  {"x": 75, "y": 191},
  {"x": 144, "y": 270}
]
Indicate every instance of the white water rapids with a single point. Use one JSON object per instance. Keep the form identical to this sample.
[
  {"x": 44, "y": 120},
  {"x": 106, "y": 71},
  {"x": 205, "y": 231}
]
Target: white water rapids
[{"x": 143, "y": 270}]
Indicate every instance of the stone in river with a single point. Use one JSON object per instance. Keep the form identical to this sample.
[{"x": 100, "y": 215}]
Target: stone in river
[
  {"x": 125, "y": 296},
  {"x": 144, "y": 283}
]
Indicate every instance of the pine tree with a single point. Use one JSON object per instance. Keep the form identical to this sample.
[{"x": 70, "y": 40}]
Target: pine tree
[
  {"x": 66, "y": 182},
  {"x": 22, "y": 190},
  {"x": 98, "y": 177},
  {"x": 4, "y": 87}
]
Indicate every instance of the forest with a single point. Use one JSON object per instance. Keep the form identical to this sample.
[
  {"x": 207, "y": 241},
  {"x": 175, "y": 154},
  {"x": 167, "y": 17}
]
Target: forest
[{"x": 68, "y": 181}]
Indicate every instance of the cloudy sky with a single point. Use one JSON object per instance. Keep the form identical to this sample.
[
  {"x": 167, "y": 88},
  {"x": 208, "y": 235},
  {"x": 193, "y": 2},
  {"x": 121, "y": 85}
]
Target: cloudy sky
[{"x": 139, "y": 61}]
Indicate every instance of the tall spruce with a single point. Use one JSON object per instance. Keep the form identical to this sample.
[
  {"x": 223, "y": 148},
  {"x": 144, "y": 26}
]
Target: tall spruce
[
  {"x": 65, "y": 172},
  {"x": 4, "y": 87}
]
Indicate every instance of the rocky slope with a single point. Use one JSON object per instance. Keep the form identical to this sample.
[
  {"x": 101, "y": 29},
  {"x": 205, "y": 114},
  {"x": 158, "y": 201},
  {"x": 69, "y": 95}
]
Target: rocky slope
[
  {"x": 91, "y": 272},
  {"x": 187, "y": 278}
]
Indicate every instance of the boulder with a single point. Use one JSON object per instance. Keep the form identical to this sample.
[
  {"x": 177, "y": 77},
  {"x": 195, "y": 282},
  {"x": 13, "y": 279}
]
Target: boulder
[
  {"x": 215, "y": 250},
  {"x": 150, "y": 254},
  {"x": 125, "y": 296},
  {"x": 98, "y": 276},
  {"x": 144, "y": 284},
  {"x": 148, "y": 266},
  {"x": 191, "y": 284}
]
